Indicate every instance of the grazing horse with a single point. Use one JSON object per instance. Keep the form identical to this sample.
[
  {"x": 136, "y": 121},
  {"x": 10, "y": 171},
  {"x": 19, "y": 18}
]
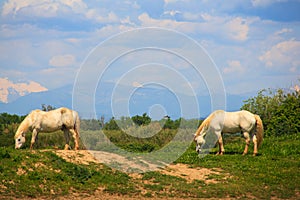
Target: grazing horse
[
  {"x": 40, "y": 121},
  {"x": 220, "y": 122}
]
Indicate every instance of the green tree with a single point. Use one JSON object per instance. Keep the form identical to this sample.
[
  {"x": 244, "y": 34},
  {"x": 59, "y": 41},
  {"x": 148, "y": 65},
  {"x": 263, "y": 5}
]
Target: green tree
[
  {"x": 171, "y": 124},
  {"x": 111, "y": 125},
  {"x": 286, "y": 119},
  {"x": 47, "y": 107},
  {"x": 141, "y": 120},
  {"x": 278, "y": 110}
]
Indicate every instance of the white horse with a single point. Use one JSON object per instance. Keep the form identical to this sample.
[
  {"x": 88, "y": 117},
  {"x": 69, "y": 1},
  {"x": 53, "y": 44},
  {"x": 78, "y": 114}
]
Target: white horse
[
  {"x": 40, "y": 121},
  {"x": 220, "y": 122}
]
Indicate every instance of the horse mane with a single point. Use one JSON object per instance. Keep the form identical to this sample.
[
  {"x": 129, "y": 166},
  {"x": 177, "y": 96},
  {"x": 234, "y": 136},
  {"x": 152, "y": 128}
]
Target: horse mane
[
  {"x": 23, "y": 127},
  {"x": 205, "y": 123}
]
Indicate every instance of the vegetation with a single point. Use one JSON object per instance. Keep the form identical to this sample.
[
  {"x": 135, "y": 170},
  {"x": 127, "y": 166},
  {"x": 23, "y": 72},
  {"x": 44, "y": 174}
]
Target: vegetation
[
  {"x": 278, "y": 110},
  {"x": 274, "y": 173},
  {"x": 32, "y": 174},
  {"x": 47, "y": 107},
  {"x": 141, "y": 120}
]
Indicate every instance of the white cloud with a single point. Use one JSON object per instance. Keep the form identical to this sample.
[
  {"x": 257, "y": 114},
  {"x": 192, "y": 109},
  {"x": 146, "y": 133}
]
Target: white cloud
[
  {"x": 137, "y": 84},
  {"x": 235, "y": 28},
  {"x": 147, "y": 21},
  {"x": 62, "y": 60},
  {"x": 284, "y": 55},
  {"x": 42, "y": 8},
  {"x": 170, "y": 1},
  {"x": 20, "y": 88},
  {"x": 171, "y": 12},
  {"x": 283, "y": 31},
  {"x": 263, "y": 3},
  {"x": 234, "y": 66},
  {"x": 55, "y": 77},
  {"x": 234, "y": 39},
  {"x": 78, "y": 6},
  {"x": 110, "y": 17},
  {"x": 127, "y": 20}
]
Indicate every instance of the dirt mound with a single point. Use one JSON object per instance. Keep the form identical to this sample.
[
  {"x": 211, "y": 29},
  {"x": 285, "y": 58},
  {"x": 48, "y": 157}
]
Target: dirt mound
[
  {"x": 209, "y": 176},
  {"x": 113, "y": 160},
  {"x": 179, "y": 170}
]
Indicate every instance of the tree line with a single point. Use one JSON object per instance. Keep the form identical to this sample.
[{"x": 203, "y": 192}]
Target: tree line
[
  {"x": 278, "y": 109},
  {"x": 137, "y": 120}
]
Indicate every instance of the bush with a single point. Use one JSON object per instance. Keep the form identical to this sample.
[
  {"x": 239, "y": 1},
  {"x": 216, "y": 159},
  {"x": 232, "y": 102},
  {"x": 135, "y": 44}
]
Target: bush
[
  {"x": 141, "y": 120},
  {"x": 278, "y": 110},
  {"x": 111, "y": 125},
  {"x": 286, "y": 118}
]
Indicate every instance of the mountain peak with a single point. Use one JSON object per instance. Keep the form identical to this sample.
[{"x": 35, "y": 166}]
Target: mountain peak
[{"x": 10, "y": 91}]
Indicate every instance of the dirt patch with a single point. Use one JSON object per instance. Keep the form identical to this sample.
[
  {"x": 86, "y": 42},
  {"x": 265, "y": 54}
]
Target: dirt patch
[
  {"x": 209, "y": 176},
  {"x": 116, "y": 161},
  {"x": 21, "y": 171},
  {"x": 78, "y": 157},
  {"x": 178, "y": 170},
  {"x": 191, "y": 174}
]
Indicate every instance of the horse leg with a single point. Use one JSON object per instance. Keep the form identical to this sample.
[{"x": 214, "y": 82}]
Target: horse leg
[
  {"x": 247, "y": 139},
  {"x": 33, "y": 138},
  {"x": 76, "y": 138},
  {"x": 67, "y": 137},
  {"x": 221, "y": 145},
  {"x": 255, "y": 145}
]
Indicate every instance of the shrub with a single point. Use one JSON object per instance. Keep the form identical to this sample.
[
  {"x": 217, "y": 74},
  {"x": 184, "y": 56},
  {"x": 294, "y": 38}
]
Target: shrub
[{"x": 278, "y": 110}]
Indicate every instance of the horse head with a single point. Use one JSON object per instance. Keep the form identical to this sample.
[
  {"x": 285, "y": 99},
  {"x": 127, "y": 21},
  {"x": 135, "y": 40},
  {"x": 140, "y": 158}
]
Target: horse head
[
  {"x": 199, "y": 142},
  {"x": 19, "y": 139}
]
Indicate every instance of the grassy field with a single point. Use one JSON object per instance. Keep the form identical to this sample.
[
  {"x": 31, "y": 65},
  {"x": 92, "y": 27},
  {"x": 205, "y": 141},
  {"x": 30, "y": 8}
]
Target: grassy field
[{"x": 273, "y": 173}]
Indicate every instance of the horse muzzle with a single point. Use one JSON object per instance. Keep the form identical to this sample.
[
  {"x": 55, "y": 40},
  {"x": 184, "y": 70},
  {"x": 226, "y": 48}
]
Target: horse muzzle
[
  {"x": 198, "y": 149},
  {"x": 18, "y": 146}
]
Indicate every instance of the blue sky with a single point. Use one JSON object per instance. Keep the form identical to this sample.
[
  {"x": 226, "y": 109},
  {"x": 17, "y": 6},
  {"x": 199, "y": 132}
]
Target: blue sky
[{"x": 254, "y": 44}]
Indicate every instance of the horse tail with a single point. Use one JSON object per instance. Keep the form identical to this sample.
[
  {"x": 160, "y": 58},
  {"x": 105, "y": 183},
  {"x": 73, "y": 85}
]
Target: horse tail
[
  {"x": 259, "y": 130},
  {"x": 76, "y": 122}
]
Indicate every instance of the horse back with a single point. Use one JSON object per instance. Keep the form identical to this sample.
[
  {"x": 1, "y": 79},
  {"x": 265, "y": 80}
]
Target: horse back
[
  {"x": 245, "y": 120},
  {"x": 68, "y": 117},
  {"x": 233, "y": 122},
  {"x": 52, "y": 120}
]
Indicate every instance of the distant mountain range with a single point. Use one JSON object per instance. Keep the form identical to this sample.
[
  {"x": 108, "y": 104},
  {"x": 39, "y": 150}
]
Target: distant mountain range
[
  {"x": 157, "y": 101},
  {"x": 10, "y": 91}
]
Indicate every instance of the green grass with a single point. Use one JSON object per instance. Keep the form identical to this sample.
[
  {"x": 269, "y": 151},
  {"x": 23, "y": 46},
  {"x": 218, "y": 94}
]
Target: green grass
[
  {"x": 26, "y": 173},
  {"x": 273, "y": 173}
]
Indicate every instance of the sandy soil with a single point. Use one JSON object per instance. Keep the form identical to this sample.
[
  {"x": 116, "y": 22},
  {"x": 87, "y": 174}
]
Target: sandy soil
[{"x": 179, "y": 170}]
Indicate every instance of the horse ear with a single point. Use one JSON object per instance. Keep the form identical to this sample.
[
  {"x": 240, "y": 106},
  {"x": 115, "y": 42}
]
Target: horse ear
[{"x": 22, "y": 133}]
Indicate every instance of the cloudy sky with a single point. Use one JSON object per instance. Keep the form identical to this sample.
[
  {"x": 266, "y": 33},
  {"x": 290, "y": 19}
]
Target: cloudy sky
[{"x": 254, "y": 44}]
